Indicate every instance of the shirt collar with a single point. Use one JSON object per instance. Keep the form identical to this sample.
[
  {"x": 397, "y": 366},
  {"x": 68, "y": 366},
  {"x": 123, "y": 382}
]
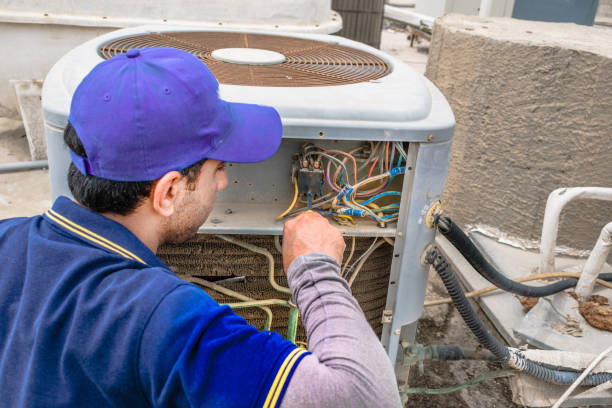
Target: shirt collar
[{"x": 100, "y": 231}]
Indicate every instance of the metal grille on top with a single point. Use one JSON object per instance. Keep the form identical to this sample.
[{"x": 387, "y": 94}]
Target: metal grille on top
[{"x": 308, "y": 62}]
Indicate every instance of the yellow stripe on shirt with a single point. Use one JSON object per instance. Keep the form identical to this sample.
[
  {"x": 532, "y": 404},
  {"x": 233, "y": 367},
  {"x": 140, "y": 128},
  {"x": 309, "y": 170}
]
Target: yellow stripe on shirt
[
  {"x": 102, "y": 242},
  {"x": 93, "y": 235},
  {"x": 281, "y": 378}
]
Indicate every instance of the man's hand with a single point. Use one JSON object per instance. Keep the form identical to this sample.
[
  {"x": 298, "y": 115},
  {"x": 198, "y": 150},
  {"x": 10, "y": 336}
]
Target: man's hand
[{"x": 308, "y": 233}]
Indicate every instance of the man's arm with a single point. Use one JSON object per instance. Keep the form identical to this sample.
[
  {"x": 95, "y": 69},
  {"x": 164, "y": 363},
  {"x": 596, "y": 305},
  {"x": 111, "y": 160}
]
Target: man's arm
[{"x": 348, "y": 365}]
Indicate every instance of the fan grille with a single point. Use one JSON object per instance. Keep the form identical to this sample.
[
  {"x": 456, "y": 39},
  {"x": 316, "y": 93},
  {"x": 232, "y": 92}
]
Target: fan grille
[{"x": 308, "y": 62}]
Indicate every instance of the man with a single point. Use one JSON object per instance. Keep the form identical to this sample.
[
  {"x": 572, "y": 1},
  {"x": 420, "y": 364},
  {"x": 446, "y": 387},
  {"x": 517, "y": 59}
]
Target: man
[{"x": 91, "y": 317}]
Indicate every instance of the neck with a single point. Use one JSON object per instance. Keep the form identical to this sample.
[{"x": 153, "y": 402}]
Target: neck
[{"x": 140, "y": 225}]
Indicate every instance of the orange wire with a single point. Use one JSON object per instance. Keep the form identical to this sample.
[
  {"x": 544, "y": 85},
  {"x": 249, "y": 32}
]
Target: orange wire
[
  {"x": 372, "y": 168},
  {"x": 348, "y": 155},
  {"x": 387, "y": 156}
]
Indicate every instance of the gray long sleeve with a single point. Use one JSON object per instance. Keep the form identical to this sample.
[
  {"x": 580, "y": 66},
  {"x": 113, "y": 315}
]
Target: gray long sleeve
[{"x": 348, "y": 365}]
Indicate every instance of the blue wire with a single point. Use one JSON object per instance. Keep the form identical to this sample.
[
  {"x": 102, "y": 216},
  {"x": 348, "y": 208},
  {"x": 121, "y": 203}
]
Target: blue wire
[
  {"x": 376, "y": 197},
  {"x": 309, "y": 201},
  {"x": 329, "y": 214}
]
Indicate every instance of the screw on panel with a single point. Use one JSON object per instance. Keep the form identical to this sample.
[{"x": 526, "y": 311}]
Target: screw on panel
[
  {"x": 229, "y": 211},
  {"x": 430, "y": 138},
  {"x": 387, "y": 316},
  {"x": 397, "y": 332},
  {"x": 321, "y": 133}
]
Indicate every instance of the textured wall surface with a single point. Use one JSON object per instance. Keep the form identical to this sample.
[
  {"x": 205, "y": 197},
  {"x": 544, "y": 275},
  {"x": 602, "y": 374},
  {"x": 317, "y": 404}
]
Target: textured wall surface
[{"x": 533, "y": 104}]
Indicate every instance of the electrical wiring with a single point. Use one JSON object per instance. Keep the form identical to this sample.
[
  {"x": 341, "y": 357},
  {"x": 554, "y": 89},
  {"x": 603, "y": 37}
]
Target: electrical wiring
[
  {"x": 328, "y": 156},
  {"x": 348, "y": 156},
  {"x": 361, "y": 256},
  {"x": 438, "y": 391},
  {"x": 231, "y": 293},
  {"x": 362, "y": 260},
  {"x": 349, "y": 257},
  {"x": 376, "y": 197},
  {"x": 401, "y": 150},
  {"x": 295, "y": 196},
  {"x": 344, "y": 195}
]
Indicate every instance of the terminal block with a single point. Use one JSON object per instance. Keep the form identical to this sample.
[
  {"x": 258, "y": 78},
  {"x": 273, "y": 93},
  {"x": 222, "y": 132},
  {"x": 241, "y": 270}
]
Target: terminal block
[{"x": 307, "y": 169}]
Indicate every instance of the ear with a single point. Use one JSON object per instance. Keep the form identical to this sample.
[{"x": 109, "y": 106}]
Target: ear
[{"x": 165, "y": 193}]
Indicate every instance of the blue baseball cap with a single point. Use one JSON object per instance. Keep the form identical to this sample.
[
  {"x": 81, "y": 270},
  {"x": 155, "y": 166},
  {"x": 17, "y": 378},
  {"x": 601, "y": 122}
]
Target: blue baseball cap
[{"x": 149, "y": 111}]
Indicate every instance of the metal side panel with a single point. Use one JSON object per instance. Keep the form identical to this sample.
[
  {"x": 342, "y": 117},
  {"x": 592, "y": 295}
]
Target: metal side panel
[{"x": 424, "y": 182}]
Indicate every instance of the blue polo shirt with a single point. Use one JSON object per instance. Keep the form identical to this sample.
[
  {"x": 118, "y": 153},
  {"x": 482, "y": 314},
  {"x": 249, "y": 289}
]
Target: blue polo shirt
[{"x": 92, "y": 318}]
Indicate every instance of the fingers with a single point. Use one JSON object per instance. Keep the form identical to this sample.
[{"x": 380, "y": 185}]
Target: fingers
[{"x": 308, "y": 233}]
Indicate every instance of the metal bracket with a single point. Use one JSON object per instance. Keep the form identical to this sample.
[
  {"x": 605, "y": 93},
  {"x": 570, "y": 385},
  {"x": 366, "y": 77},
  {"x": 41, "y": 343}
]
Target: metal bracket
[
  {"x": 434, "y": 209},
  {"x": 387, "y": 316}
]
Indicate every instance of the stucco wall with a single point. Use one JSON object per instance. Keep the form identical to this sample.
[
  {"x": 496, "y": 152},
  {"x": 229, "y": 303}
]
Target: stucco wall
[{"x": 533, "y": 104}]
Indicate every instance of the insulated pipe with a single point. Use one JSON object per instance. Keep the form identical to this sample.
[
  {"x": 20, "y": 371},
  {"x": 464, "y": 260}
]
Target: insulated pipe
[
  {"x": 554, "y": 205},
  {"x": 466, "y": 247},
  {"x": 595, "y": 263},
  {"x": 22, "y": 166},
  {"x": 486, "y": 8},
  {"x": 511, "y": 356}
]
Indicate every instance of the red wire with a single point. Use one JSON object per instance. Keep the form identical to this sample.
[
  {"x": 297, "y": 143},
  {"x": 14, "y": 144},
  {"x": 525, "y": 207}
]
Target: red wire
[{"x": 372, "y": 168}]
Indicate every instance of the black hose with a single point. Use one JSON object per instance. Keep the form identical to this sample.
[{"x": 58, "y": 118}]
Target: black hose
[
  {"x": 466, "y": 247},
  {"x": 464, "y": 307},
  {"x": 510, "y": 356}
]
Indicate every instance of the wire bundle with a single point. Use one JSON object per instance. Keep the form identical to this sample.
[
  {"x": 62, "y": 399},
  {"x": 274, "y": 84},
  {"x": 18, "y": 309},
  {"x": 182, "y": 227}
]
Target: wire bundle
[{"x": 343, "y": 194}]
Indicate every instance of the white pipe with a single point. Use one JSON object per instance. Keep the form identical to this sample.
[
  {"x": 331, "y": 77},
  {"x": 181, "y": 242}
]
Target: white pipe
[
  {"x": 595, "y": 263},
  {"x": 486, "y": 8},
  {"x": 582, "y": 377},
  {"x": 554, "y": 205}
]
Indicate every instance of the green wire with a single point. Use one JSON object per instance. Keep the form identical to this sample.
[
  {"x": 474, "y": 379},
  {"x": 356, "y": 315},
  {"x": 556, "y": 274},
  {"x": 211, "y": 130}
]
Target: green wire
[{"x": 475, "y": 380}]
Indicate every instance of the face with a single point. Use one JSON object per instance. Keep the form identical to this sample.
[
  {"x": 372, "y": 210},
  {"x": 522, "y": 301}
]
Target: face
[{"x": 195, "y": 201}]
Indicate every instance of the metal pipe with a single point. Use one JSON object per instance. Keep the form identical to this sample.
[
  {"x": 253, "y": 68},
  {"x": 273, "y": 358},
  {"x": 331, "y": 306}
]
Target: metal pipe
[
  {"x": 486, "y": 8},
  {"x": 292, "y": 324},
  {"x": 594, "y": 263},
  {"x": 231, "y": 293},
  {"x": 261, "y": 251},
  {"x": 550, "y": 226},
  {"x": 257, "y": 303},
  {"x": 22, "y": 166}
]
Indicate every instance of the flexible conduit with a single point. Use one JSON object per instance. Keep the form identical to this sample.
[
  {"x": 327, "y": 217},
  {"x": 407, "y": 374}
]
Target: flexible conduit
[
  {"x": 466, "y": 247},
  {"x": 513, "y": 357}
]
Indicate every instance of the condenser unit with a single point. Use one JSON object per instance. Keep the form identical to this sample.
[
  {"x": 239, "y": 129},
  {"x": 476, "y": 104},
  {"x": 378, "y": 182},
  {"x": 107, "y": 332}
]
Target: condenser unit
[{"x": 333, "y": 95}]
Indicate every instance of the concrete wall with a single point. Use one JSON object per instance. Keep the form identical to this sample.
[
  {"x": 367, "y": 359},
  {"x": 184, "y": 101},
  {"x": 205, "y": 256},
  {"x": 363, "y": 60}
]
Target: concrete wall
[
  {"x": 30, "y": 50},
  {"x": 533, "y": 104}
]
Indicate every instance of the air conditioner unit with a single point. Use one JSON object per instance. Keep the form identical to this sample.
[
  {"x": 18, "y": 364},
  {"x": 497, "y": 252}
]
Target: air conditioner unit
[{"x": 332, "y": 93}]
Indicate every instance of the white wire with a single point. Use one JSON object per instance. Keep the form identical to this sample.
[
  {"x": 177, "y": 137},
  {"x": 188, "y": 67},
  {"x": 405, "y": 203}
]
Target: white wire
[
  {"x": 582, "y": 377},
  {"x": 362, "y": 255}
]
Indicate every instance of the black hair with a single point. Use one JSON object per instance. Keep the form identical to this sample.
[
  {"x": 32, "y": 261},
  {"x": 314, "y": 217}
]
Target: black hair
[{"x": 103, "y": 195}]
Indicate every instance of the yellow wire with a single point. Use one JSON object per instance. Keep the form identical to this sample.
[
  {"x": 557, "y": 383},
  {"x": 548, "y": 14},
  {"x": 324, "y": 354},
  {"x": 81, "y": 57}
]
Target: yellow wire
[
  {"x": 523, "y": 279},
  {"x": 295, "y": 196},
  {"x": 347, "y": 217}
]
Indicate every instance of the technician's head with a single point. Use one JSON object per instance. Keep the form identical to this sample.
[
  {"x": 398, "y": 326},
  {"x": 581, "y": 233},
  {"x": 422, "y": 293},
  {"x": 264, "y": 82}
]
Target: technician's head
[{"x": 147, "y": 132}]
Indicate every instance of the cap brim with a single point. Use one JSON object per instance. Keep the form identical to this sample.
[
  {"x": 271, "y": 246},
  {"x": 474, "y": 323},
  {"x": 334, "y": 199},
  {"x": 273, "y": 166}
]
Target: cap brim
[{"x": 255, "y": 134}]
